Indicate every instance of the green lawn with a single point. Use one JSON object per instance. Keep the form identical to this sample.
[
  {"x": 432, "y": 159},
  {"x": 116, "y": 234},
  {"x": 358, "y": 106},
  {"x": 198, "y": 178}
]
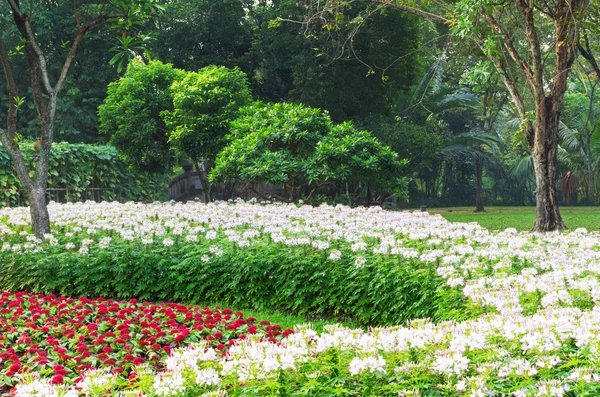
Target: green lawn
[
  {"x": 286, "y": 320},
  {"x": 521, "y": 218}
]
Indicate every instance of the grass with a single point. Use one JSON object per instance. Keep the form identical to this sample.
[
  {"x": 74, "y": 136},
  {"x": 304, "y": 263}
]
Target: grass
[
  {"x": 286, "y": 320},
  {"x": 521, "y": 218}
]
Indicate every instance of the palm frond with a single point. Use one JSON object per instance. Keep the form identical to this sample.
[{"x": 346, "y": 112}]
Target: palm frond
[
  {"x": 570, "y": 184},
  {"x": 569, "y": 138},
  {"x": 523, "y": 169}
]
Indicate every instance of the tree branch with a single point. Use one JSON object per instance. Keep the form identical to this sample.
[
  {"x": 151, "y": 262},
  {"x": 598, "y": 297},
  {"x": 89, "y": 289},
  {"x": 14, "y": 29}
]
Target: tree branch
[
  {"x": 533, "y": 42},
  {"x": 510, "y": 84},
  {"x": 24, "y": 26},
  {"x": 412, "y": 10},
  {"x": 12, "y": 92},
  {"x": 589, "y": 56},
  {"x": 74, "y": 48},
  {"x": 565, "y": 49},
  {"x": 508, "y": 44}
]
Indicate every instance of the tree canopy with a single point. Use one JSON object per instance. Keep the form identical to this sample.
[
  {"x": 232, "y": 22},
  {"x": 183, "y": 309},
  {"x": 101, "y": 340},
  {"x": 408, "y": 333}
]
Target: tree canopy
[
  {"x": 131, "y": 114},
  {"x": 303, "y": 149}
]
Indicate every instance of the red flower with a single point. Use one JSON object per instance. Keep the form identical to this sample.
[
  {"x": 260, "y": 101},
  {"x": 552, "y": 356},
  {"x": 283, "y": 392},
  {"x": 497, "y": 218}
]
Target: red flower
[
  {"x": 180, "y": 338},
  {"x": 57, "y": 379},
  {"x": 138, "y": 361}
]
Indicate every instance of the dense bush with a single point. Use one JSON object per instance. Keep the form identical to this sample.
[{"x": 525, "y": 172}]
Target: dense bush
[
  {"x": 131, "y": 115},
  {"x": 204, "y": 103},
  {"x": 78, "y": 167},
  {"x": 303, "y": 260},
  {"x": 303, "y": 149},
  {"x": 304, "y": 281}
]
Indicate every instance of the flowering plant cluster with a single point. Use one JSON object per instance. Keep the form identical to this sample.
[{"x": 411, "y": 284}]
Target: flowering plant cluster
[
  {"x": 513, "y": 314},
  {"x": 310, "y": 260},
  {"x": 62, "y": 338}
]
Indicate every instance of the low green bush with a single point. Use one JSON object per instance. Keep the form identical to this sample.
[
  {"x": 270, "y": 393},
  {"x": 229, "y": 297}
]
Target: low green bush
[{"x": 386, "y": 290}]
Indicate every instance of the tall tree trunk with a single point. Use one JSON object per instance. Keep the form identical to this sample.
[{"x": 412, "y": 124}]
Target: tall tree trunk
[
  {"x": 544, "y": 153},
  {"x": 40, "y": 218},
  {"x": 479, "y": 181}
]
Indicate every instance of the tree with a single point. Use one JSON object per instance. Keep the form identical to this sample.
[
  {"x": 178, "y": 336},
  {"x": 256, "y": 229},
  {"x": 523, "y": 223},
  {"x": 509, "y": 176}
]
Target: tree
[
  {"x": 131, "y": 114},
  {"x": 513, "y": 36},
  {"x": 84, "y": 89},
  {"x": 193, "y": 34},
  {"x": 580, "y": 134},
  {"x": 302, "y": 149},
  {"x": 122, "y": 14},
  {"x": 203, "y": 105},
  {"x": 484, "y": 80}
]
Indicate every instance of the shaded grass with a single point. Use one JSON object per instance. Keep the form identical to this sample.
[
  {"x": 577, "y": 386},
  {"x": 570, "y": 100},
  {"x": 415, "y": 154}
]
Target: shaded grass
[
  {"x": 521, "y": 218},
  {"x": 286, "y": 320}
]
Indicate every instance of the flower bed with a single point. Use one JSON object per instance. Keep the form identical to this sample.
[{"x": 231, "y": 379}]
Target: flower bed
[
  {"x": 332, "y": 261},
  {"x": 523, "y": 310},
  {"x": 63, "y": 338}
]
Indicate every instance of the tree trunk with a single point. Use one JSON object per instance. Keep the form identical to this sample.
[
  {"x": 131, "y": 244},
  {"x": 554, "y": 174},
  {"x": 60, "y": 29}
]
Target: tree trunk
[
  {"x": 479, "y": 180},
  {"x": 40, "y": 219},
  {"x": 544, "y": 154}
]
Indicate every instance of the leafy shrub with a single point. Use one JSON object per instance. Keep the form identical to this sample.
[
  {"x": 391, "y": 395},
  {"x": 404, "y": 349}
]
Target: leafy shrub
[
  {"x": 131, "y": 114},
  {"x": 203, "y": 105},
  {"x": 300, "y": 147},
  {"x": 78, "y": 167},
  {"x": 383, "y": 291}
]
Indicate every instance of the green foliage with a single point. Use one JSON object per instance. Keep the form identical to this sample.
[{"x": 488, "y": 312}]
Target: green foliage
[
  {"x": 203, "y": 105},
  {"x": 193, "y": 34},
  {"x": 84, "y": 89},
  {"x": 131, "y": 115},
  {"x": 267, "y": 275},
  {"x": 356, "y": 69},
  {"x": 299, "y": 146},
  {"x": 78, "y": 167}
]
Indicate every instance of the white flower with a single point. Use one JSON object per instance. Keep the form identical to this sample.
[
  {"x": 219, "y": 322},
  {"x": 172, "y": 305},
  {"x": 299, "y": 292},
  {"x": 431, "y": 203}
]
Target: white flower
[
  {"x": 215, "y": 250},
  {"x": 360, "y": 261},
  {"x": 169, "y": 384},
  {"x": 207, "y": 377},
  {"x": 335, "y": 255}
]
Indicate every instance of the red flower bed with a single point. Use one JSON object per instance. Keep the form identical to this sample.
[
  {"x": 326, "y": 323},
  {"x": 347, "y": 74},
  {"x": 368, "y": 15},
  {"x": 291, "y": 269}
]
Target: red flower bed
[{"x": 61, "y": 337}]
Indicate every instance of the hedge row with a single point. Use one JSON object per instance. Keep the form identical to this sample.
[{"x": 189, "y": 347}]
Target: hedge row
[
  {"x": 385, "y": 291},
  {"x": 78, "y": 167}
]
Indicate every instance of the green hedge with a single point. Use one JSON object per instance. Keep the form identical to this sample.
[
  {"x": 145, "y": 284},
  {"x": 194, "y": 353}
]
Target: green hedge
[
  {"x": 78, "y": 167},
  {"x": 386, "y": 291}
]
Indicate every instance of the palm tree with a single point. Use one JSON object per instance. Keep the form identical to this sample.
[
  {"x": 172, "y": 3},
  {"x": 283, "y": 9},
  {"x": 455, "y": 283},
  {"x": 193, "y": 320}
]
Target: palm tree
[
  {"x": 476, "y": 145},
  {"x": 579, "y": 136}
]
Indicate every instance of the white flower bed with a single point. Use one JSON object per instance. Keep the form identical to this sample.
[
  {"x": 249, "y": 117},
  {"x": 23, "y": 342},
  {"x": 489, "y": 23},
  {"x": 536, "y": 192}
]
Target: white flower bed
[{"x": 541, "y": 337}]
